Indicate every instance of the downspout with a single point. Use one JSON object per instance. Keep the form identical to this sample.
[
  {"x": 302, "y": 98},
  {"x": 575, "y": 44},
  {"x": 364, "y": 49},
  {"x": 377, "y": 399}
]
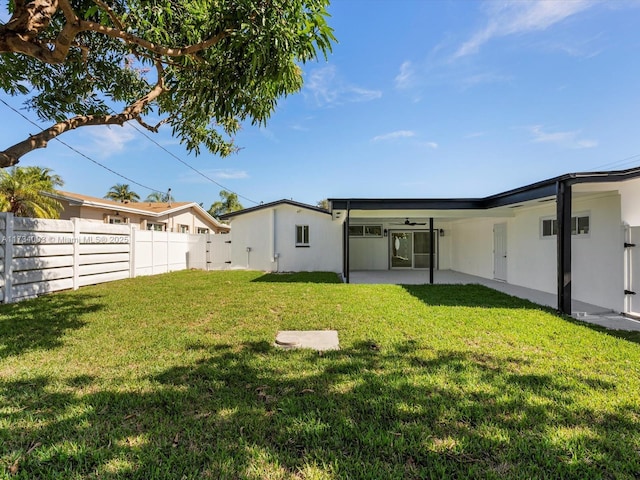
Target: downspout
[
  {"x": 275, "y": 257},
  {"x": 563, "y": 211},
  {"x": 431, "y": 250},
  {"x": 346, "y": 243}
]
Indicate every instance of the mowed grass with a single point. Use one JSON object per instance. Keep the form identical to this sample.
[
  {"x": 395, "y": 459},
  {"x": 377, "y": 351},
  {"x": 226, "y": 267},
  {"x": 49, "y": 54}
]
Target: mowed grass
[{"x": 175, "y": 376}]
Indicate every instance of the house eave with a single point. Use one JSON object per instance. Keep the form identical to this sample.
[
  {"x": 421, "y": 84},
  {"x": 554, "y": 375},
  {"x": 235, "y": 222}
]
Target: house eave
[
  {"x": 534, "y": 191},
  {"x": 244, "y": 211}
]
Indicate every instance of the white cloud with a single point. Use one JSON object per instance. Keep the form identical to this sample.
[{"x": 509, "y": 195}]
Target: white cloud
[
  {"x": 483, "y": 78},
  {"x": 433, "y": 145},
  {"x": 268, "y": 134},
  {"x": 394, "y": 135},
  {"x": 218, "y": 173},
  {"x": 405, "y": 77},
  {"x": 230, "y": 174},
  {"x": 570, "y": 139},
  {"x": 105, "y": 140},
  {"x": 475, "y": 134},
  {"x": 328, "y": 88},
  {"x": 517, "y": 17}
]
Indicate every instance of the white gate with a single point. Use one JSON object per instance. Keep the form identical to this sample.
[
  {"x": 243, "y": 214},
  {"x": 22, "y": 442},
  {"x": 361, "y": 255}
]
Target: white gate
[
  {"x": 632, "y": 266},
  {"x": 219, "y": 251}
]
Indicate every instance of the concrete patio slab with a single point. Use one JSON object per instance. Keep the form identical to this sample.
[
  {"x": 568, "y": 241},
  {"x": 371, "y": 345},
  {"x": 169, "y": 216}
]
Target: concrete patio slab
[
  {"x": 611, "y": 321},
  {"x": 320, "y": 340}
]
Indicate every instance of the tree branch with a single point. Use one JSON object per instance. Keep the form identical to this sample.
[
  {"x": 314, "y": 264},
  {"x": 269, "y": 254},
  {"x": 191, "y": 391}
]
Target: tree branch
[
  {"x": 86, "y": 25},
  {"x": 11, "y": 156},
  {"x": 19, "y": 35},
  {"x": 152, "y": 128},
  {"x": 112, "y": 15}
]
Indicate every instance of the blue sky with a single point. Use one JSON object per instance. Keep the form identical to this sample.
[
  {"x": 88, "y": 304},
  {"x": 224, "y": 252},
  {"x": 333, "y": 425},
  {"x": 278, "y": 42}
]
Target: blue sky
[{"x": 421, "y": 98}]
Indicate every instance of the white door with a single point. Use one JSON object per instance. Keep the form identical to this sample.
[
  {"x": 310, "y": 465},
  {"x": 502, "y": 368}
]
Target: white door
[
  {"x": 633, "y": 272},
  {"x": 500, "y": 251}
]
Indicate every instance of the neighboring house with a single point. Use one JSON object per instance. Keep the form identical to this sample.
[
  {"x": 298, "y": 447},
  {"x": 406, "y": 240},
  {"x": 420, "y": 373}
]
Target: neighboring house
[
  {"x": 574, "y": 235},
  {"x": 285, "y": 236},
  {"x": 184, "y": 217}
]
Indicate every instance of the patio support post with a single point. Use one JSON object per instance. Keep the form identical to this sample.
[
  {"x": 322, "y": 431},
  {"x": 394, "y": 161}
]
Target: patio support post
[
  {"x": 431, "y": 250},
  {"x": 563, "y": 205}
]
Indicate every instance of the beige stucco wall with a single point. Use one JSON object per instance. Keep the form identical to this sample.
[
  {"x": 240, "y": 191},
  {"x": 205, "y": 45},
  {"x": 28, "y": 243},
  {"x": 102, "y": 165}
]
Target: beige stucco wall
[{"x": 191, "y": 217}]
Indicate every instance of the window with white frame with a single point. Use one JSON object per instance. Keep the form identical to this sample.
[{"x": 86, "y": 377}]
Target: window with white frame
[
  {"x": 302, "y": 235},
  {"x": 202, "y": 230},
  {"x": 580, "y": 225},
  {"x": 183, "y": 228},
  {"x": 365, "y": 231}
]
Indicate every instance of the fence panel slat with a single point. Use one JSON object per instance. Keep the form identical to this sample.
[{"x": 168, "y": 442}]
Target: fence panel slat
[
  {"x": 36, "y": 276},
  {"x": 102, "y": 268},
  {"x": 102, "y": 278}
]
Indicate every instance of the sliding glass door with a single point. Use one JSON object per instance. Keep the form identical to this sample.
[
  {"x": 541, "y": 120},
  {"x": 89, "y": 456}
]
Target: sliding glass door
[
  {"x": 411, "y": 249},
  {"x": 401, "y": 249}
]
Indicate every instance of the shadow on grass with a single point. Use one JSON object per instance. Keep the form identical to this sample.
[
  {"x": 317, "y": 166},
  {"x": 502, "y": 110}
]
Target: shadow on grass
[
  {"x": 470, "y": 295},
  {"x": 484, "y": 297},
  {"x": 256, "y": 412},
  {"x": 41, "y": 322},
  {"x": 300, "y": 277},
  {"x": 630, "y": 336}
]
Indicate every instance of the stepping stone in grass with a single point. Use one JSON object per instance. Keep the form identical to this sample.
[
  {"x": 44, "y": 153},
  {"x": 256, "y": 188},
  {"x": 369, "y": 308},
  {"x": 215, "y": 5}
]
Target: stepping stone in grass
[{"x": 320, "y": 340}]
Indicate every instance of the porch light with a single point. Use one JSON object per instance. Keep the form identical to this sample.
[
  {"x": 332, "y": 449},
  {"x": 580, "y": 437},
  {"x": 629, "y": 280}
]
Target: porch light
[
  {"x": 441, "y": 232},
  {"x": 385, "y": 232}
]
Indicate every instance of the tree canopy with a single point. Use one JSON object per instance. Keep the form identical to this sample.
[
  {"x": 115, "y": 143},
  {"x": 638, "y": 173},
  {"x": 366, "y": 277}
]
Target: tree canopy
[
  {"x": 228, "y": 203},
  {"x": 201, "y": 66},
  {"x": 121, "y": 192},
  {"x": 22, "y": 192}
]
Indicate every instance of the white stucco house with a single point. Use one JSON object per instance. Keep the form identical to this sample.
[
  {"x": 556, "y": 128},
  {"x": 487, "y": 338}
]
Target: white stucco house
[
  {"x": 574, "y": 235},
  {"x": 285, "y": 236}
]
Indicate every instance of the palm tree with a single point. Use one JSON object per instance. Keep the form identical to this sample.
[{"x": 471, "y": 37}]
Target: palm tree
[
  {"x": 228, "y": 203},
  {"x": 159, "y": 197},
  {"x": 120, "y": 192},
  {"x": 22, "y": 188}
]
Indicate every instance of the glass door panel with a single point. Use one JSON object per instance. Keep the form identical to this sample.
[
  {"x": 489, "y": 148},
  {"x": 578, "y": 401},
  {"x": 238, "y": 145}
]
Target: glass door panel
[
  {"x": 421, "y": 246},
  {"x": 401, "y": 249}
]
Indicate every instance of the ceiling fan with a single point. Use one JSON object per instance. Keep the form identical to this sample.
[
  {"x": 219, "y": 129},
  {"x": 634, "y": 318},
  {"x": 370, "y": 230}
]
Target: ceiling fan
[{"x": 408, "y": 223}]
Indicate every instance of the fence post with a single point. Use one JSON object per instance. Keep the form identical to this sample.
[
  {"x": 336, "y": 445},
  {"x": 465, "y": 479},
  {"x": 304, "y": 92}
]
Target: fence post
[
  {"x": 132, "y": 251},
  {"x": 168, "y": 256},
  {"x": 153, "y": 254},
  {"x": 76, "y": 252},
  {"x": 8, "y": 257}
]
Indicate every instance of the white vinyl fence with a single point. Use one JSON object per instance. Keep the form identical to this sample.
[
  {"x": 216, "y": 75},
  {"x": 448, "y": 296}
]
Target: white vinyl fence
[{"x": 38, "y": 256}]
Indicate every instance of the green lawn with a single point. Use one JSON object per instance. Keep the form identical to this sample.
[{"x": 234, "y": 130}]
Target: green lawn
[{"x": 175, "y": 376}]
